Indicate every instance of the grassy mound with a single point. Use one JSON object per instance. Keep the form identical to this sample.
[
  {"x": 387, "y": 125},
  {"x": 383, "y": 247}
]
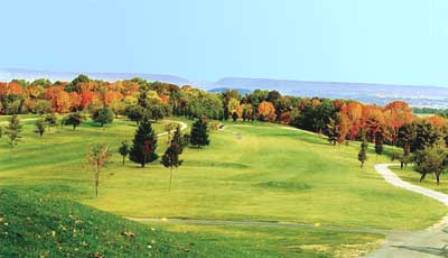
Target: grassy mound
[{"x": 34, "y": 225}]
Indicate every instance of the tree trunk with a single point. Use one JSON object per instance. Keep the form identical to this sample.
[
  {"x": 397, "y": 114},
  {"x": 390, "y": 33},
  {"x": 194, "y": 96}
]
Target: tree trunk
[
  {"x": 422, "y": 177},
  {"x": 97, "y": 181},
  {"x": 124, "y": 158},
  {"x": 438, "y": 179},
  {"x": 171, "y": 178},
  {"x": 401, "y": 164}
]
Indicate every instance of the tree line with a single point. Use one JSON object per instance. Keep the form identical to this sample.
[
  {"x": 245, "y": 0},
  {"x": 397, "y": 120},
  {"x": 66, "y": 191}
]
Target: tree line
[{"x": 341, "y": 121}]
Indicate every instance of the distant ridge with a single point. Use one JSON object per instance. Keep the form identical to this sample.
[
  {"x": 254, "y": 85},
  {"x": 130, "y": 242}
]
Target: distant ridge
[
  {"x": 417, "y": 96},
  {"x": 14, "y": 73}
]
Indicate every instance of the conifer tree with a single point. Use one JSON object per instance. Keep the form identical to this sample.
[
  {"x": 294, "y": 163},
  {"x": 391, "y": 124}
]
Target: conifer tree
[
  {"x": 14, "y": 130},
  {"x": 362, "y": 155},
  {"x": 124, "y": 150},
  {"x": 170, "y": 159},
  {"x": 178, "y": 140},
  {"x": 379, "y": 141},
  {"x": 332, "y": 131},
  {"x": 199, "y": 134},
  {"x": 144, "y": 146}
]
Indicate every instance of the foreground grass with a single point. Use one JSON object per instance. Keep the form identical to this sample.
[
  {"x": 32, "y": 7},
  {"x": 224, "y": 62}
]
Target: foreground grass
[
  {"x": 32, "y": 225},
  {"x": 252, "y": 171}
]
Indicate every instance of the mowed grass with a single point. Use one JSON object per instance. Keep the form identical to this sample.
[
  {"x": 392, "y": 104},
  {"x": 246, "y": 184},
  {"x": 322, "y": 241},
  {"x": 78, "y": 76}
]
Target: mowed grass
[
  {"x": 412, "y": 176},
  {"x": 251, "y": 171}
]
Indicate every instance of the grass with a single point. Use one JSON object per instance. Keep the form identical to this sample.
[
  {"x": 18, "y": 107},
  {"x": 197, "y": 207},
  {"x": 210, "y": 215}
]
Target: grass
[
  {"x": 251, "y": 171},
  {"x": 409, "y": 174}
]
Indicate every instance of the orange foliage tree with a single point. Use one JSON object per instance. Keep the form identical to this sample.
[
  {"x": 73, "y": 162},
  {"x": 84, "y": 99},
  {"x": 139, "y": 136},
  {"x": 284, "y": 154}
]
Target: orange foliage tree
[{"x": 266, "y": 111}]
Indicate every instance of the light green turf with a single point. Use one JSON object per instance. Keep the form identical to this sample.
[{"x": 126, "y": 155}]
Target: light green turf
[{"x": 251, "y": 171}]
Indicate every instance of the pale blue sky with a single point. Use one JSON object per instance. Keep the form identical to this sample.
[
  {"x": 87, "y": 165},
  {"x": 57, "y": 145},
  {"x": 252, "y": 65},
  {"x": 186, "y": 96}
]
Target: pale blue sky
[{"x": 383, "y": 41}]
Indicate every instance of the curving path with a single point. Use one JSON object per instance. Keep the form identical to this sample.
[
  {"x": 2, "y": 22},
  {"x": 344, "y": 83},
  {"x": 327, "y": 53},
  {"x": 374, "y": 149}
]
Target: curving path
[
  {"x": 183, "y": 126},
  {"x": 431, "y": 242}
]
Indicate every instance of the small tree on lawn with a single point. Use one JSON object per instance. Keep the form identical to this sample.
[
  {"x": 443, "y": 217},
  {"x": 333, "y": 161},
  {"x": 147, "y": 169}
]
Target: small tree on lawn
[
  {"x": 124, "y": 150},
  {"x": 170, "y": 159},
  {"x": 51, "y": 120},
  {"x": 74, "y": 120},
  {"x": 14, "y": 130},
  {"x": 332, "y": 131},
  {"x": 144, "y": 145},
  {"x": 179, "y": 140},
  {"x": 362, "y": 155},
  {"x": 431, "y": 160},
  {"x": 199, "y": 134},
  {"x": 379, "y": 140},
  {"x": 103, "y": 116},
  {"x": 40, "y": 127},
  {"x": 97, "y": 157}
]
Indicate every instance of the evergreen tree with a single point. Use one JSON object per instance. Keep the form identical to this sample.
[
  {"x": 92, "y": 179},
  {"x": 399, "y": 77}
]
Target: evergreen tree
[
  {"x": 14, "y": 130},
  {"x": 362, "y": 155},
  {"x": 170, "y": 159},
  {"x": 124, "y": 150},
  {"x": 144, "y": 146},
  {"x": 178, "y": 140},
  {"x": 332, "y": 131},
  {"x": 199, "y": 134},
  {"x": 379, "y": 140}
]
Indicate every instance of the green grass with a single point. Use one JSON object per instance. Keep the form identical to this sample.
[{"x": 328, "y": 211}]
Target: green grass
[
  {"x": 409, "y": 174},
  {"x": 251, "y": 171}
]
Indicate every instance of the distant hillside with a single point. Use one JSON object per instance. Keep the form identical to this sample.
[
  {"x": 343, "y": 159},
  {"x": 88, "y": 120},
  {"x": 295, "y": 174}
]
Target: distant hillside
[
  {"x": 9, "y": 74},
  {"x": 220, "y": 90},
  {"x": 418, "y": 96}
]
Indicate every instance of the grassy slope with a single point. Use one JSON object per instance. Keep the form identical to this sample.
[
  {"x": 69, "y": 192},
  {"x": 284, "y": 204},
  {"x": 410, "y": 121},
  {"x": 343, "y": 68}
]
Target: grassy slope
[{"x": 255, "y": 171}]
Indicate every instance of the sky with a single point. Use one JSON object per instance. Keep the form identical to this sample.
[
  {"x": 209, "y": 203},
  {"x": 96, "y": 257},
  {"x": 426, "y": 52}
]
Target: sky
[{"x": 371, "y": 41}]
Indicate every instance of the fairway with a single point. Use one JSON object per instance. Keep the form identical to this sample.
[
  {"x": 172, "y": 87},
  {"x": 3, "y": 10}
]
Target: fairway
[{"x": 251, "y": 172}]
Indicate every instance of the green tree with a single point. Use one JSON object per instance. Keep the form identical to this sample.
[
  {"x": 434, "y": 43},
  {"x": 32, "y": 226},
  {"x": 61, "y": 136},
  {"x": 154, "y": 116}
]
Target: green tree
[
  {"x": 97, "y": 157},
  {"x": 14, "y": 130},
  {"x": 51, "y": 120},
  {"x": 42, "y": 107},
  {"x": 40, "y": 127},
  {"x": 103, "y": 116},
  {"x": 135, "y": 113},
  {"x": 333, "y": 131},
  {"x": 431, "y": 160},
  {"x": 124, "y": 150},
  {"x": 199, "y": 134},
  {"x": 76, "y": 83},
  {"x": 379, "y": 141},
  {"x": 74, "y": 119},
  {"x": 144, "y": 146},
  {"x": 170, "y": 159},
  {"x": 362, "y": 155},
  {"x": 178, "y": 139}
]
